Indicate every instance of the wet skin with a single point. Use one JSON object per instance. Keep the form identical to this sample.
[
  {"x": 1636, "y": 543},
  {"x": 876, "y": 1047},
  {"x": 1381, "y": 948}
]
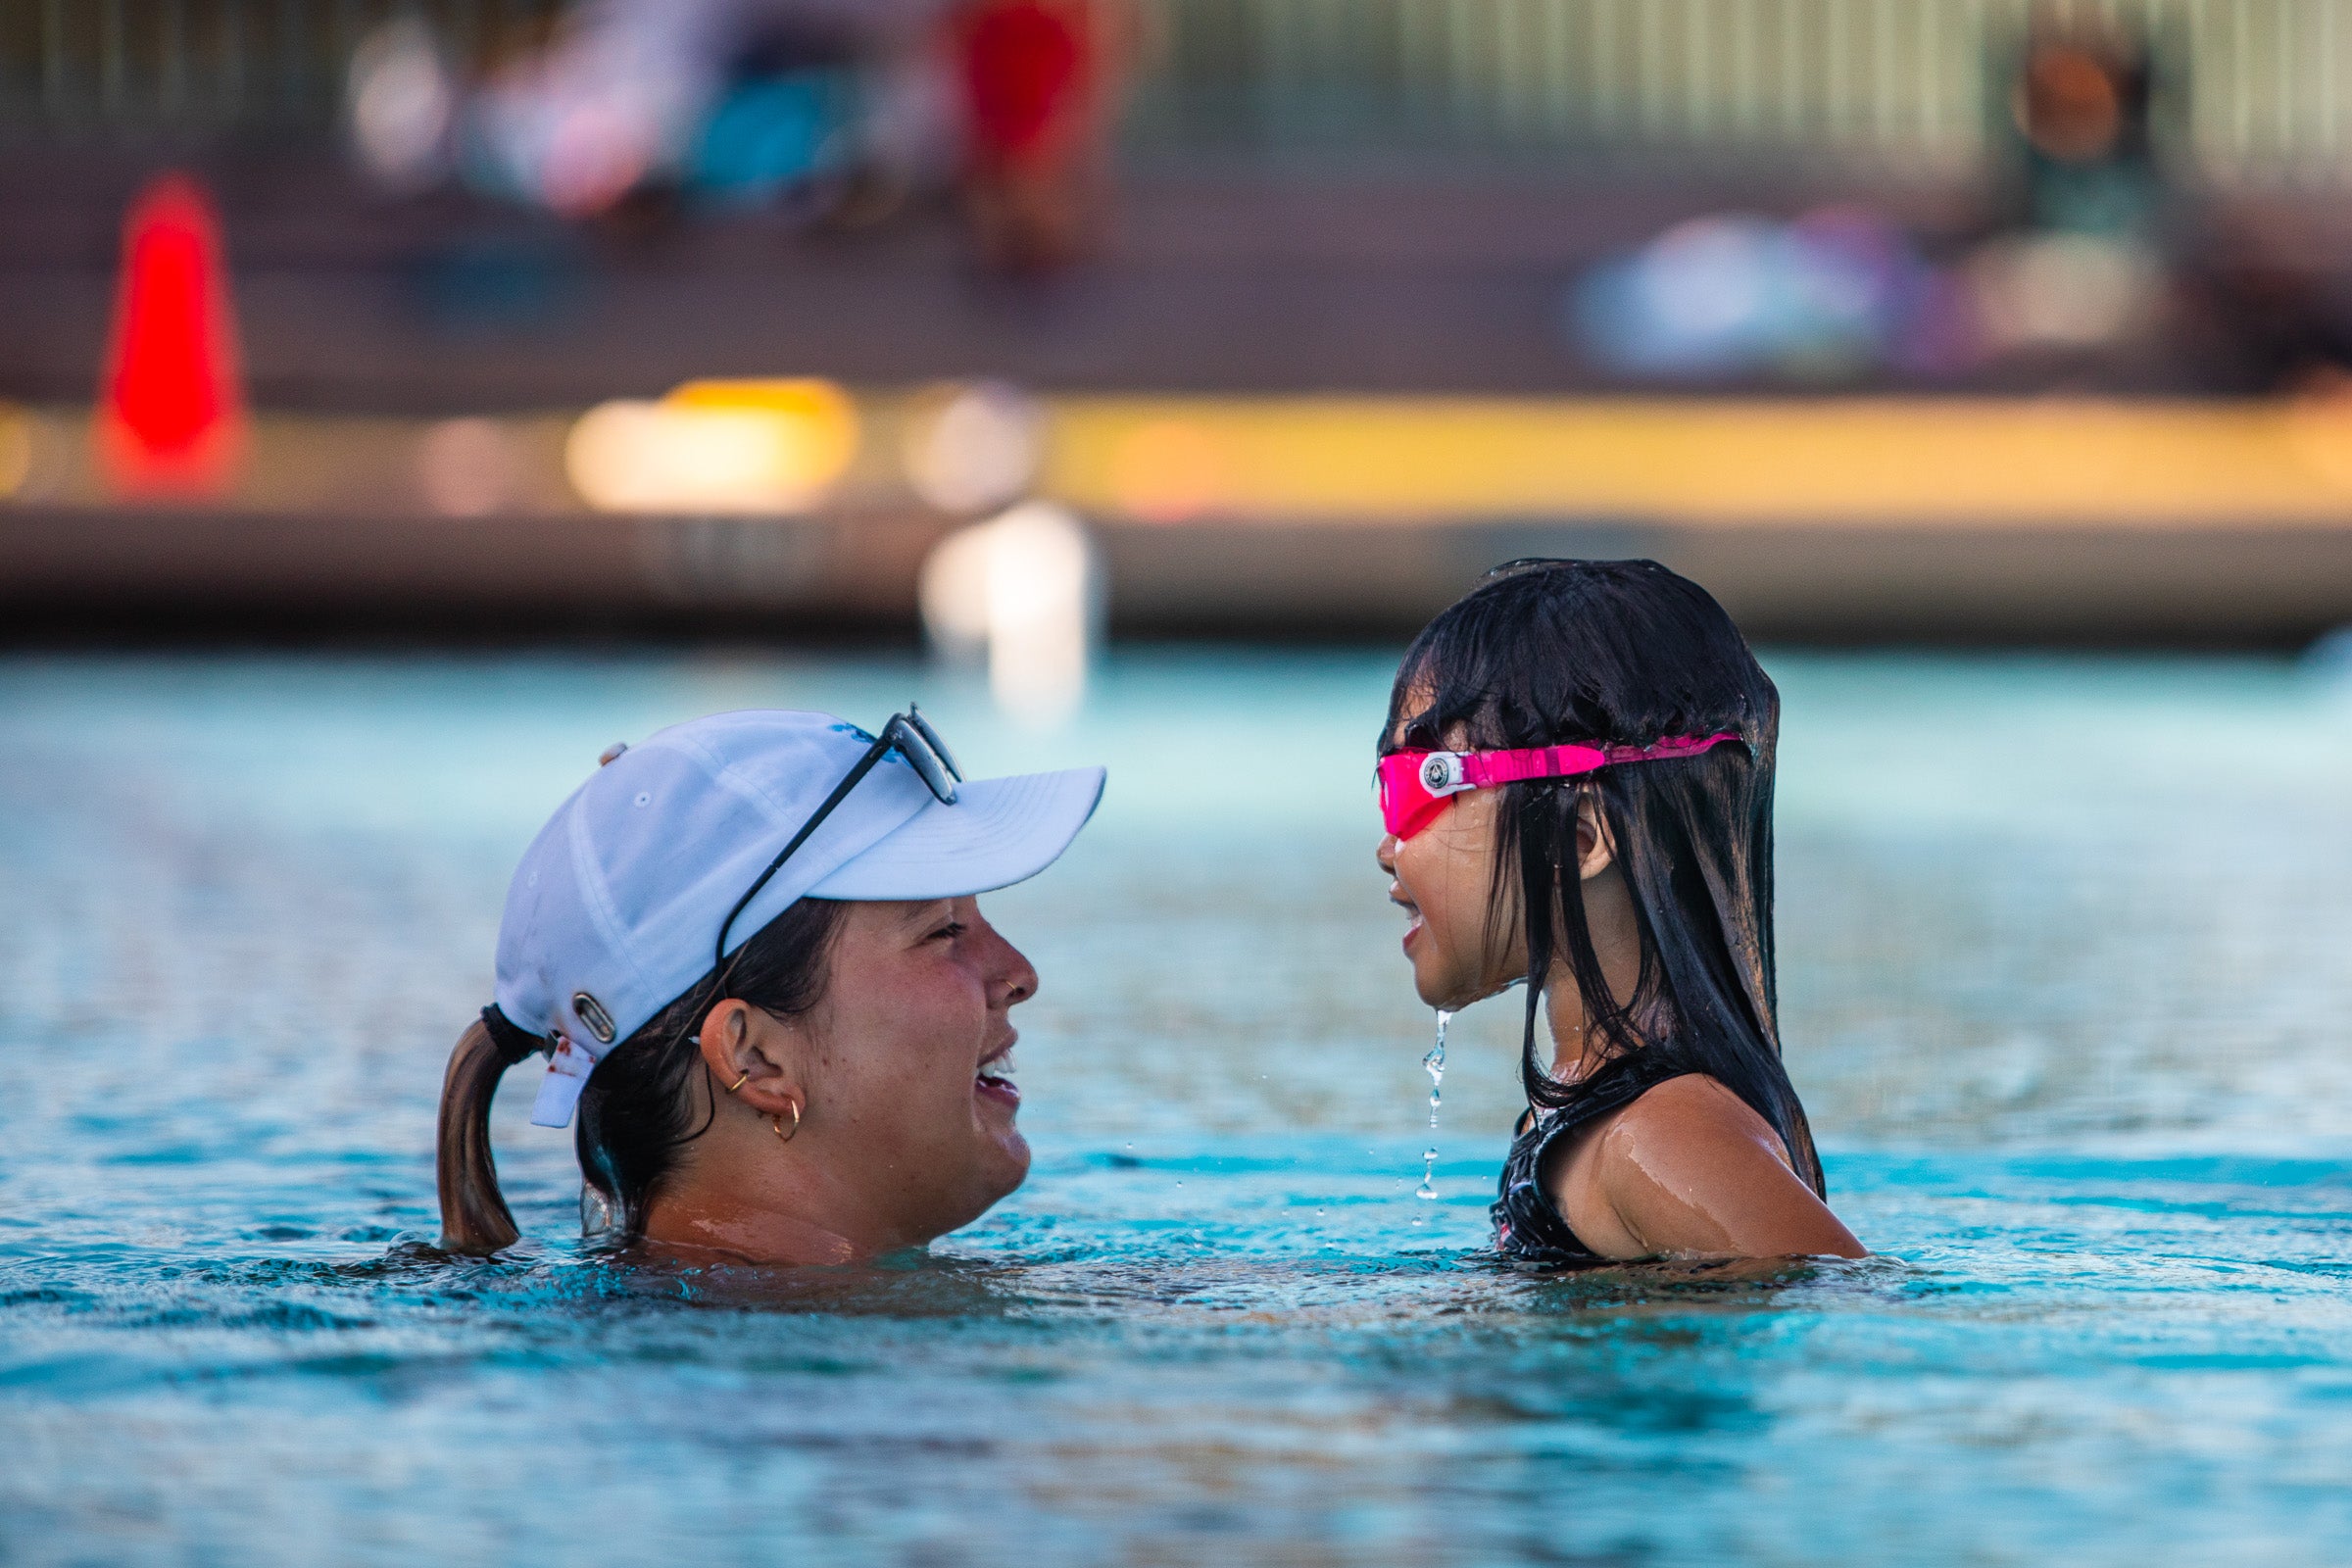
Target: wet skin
[
  {"x": 1687, "y": 1171},
  {"x": 900, "y": 1075}
]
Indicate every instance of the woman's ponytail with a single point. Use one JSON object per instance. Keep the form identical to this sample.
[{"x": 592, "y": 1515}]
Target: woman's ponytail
[
  {"x": 639, "y": 1106},
  {"x": 474, "y": 1217}
]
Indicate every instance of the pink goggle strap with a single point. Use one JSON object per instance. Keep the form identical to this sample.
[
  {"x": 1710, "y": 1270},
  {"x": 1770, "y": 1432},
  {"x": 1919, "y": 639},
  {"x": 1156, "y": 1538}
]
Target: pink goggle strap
[{"x": 1486, "y": 769}]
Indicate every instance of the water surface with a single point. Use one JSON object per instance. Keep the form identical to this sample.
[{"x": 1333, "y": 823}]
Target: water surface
[{"x": 2063, "y": 964}]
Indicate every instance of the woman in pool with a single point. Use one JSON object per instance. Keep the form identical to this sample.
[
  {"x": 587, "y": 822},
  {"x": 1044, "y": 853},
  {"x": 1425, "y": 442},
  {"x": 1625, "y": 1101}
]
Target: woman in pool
[
  {"x": 750, "y": 949},
  {"x": 1576, "y": 782}
]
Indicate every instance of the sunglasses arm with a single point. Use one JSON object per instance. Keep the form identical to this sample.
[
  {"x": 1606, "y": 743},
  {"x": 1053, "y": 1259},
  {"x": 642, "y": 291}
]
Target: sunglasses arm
[{"x": 865, "y": 764}]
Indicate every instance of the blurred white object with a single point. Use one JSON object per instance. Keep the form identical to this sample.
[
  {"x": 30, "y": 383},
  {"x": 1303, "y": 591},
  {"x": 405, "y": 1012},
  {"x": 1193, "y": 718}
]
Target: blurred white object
[
  {"x": 403, "y": 103},
  {"x": 1024, "y": 590},
  {"x": 616, "y": 98},
  {"x": 972, "y": 447},
  {"x": 953, "y": 591},
  {"x": 629, "y": 455},
  {"x": 1832, "y": 293},
  {"x": 627, "y": 86},
  {"x": 715, "y": 447},
  {"x": 2062, "y": 291}
]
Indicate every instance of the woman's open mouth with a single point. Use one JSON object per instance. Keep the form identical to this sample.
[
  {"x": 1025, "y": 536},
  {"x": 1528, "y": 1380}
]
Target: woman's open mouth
[{"x": 994, "y": 1081}]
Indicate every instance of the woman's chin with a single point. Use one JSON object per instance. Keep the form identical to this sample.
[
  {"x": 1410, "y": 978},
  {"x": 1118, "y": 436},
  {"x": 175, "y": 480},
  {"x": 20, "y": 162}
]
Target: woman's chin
[
  {"x": 1008, "y": 1168},
  {"x": 994, "y": 1172},
  {"x": 1009, "y": 1161}
]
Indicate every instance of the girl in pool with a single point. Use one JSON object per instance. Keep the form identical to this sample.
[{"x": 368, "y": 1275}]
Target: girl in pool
[
  {"x": 750, "y": 949},
  {"x": 1576, "y": 782}
]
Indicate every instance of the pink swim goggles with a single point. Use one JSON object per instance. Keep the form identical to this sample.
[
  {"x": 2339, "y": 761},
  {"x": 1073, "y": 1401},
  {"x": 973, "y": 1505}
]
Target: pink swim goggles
[{"x": 1416, "y": 786}]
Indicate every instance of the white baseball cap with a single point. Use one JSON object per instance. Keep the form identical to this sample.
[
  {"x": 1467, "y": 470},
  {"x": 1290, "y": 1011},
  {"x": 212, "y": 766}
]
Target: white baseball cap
[{"x": 615, "y": 909}]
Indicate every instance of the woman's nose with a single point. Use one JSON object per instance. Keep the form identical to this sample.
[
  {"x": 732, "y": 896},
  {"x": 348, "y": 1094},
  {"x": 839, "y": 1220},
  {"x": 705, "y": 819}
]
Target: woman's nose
[
  {"x": 1020, "y": 976},
  {"x": 1386, "y": 854}
]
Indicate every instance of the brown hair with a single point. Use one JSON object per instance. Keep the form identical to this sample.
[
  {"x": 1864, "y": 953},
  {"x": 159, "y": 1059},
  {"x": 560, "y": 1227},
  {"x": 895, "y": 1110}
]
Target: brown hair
[
  {"x": 474, "y": 1217},
  {"x": 637, "y": 1109}
]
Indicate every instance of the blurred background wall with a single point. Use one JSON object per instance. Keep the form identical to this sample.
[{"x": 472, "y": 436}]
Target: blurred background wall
[{"x": 1925, "y": 320}]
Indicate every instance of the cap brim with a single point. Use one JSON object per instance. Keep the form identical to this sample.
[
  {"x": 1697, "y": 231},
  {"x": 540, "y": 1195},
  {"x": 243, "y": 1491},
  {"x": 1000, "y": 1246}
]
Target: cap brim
[{"x": 1000, "y": 831}]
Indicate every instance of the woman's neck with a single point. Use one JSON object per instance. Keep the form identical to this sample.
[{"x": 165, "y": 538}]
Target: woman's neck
[{"x": 758, "y": 1217}]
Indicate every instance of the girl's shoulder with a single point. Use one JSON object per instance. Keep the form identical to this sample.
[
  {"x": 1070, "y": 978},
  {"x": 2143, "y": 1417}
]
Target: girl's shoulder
[
  {"x": 1645, "y": 1113},
  {"x": 1673, "y": 1168},
  {"x": 1696, "y": 1107}
]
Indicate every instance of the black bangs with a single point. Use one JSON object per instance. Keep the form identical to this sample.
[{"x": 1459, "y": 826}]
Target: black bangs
[{"x": 1625, "y": 652}]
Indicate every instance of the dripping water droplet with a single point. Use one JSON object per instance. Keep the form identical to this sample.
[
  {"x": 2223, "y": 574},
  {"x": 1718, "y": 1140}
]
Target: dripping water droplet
[{"x": 1435, "y": 1061}]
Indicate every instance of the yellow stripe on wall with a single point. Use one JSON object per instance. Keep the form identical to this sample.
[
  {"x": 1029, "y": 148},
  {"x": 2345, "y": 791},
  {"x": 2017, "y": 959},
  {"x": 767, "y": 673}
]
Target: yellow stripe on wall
[{"x": 1869, "y": 461}]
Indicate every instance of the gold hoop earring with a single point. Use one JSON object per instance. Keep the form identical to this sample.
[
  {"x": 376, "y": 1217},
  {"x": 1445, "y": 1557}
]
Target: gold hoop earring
[
  {"x": 739, "y": 1083},
  {"x": 778, "y": 1123}
]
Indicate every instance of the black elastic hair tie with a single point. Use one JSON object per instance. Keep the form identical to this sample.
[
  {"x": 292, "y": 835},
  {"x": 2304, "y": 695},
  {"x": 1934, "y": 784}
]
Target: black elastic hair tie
[{"x": 513, "y": 1042}]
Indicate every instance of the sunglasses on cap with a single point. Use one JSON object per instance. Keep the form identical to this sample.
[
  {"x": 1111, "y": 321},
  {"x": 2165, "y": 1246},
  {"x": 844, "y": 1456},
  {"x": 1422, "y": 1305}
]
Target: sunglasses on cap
[
  {"x": 909, "y": 735},
  {"x": 1416, "y": 786}
]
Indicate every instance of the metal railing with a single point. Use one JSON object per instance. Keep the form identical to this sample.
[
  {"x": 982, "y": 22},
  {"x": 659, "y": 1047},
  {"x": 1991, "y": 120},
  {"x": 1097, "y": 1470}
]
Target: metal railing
[
  {"x": 178, "y": 65},
  {"x": 2257, "y": 89},
  {"x": 2252, "y": 89}
]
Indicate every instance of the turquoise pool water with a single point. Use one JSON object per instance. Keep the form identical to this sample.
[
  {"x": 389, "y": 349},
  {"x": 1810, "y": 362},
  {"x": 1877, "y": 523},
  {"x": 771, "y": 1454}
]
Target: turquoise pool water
[{"x": 2065, "y": 958}]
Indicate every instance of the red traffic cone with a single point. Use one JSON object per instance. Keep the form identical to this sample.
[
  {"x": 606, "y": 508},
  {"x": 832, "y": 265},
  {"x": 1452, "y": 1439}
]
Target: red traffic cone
[{"x": 171, "y": 414}]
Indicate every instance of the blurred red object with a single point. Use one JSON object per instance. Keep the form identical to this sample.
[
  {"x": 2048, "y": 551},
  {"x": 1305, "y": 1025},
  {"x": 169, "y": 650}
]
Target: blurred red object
[
  {"x": 1027, "y": 68},
  {"x": 1037, "y": 79},
  {"x": 172, "y": 415}
]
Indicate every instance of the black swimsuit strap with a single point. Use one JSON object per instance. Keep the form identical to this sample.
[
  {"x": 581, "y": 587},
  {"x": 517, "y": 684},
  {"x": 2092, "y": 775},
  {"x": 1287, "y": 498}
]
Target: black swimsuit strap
[
  {"x": 1618, "y": 1084},
  {"x": 1528, "y": 1228}
]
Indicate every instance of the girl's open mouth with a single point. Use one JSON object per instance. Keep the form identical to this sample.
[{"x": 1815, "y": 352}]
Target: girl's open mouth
[
  {"x": 994, "y": 1080},
  {"x": 1413, "y": 918}
]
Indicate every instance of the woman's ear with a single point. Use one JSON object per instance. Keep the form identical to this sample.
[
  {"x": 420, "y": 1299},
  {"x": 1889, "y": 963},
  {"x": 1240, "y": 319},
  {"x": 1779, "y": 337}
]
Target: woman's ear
[
  {"x": 750, "y": 1052},
  {"x": 1595, "y": 849}
]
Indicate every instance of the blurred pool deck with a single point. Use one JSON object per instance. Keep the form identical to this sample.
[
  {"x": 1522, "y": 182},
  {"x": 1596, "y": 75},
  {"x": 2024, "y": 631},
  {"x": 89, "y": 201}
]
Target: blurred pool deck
[
  {"x": 1287, "y": 406},
  {"x": 1958, "y": 521}
]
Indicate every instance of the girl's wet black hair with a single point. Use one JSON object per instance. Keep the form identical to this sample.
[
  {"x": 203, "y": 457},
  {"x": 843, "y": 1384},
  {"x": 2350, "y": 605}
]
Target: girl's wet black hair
[
  {"x": 638, "y": 1109},
  {"x": 1546, "y": 653}
]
